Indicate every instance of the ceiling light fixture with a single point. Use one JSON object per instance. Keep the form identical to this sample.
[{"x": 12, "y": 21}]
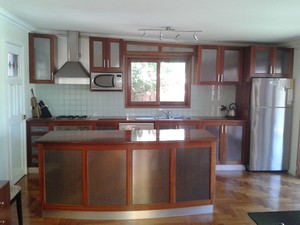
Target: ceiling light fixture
[
  {"x": 177, "y": 37},
  {"x": 144, "y": 35},
  {"x": 195, "y": 37},
  {"x": 169, "y": 29}
]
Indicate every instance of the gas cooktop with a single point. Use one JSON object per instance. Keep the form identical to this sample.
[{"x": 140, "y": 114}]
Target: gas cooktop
[{"x": 71, "y": 117}]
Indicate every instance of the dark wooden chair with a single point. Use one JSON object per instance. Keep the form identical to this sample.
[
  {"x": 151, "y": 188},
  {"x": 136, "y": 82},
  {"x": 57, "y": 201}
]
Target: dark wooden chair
[{"x": 15, "y": 195}]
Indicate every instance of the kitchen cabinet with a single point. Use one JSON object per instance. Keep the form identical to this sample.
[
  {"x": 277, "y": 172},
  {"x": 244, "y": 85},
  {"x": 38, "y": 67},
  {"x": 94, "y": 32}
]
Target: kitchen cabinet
[
  {"x": 5, "y": 216},
  {"x": 107, "y": 125},
  {"x": 42, "y": 58},
  {"x": 105, "y": 54},
  {"x": 266, "y": 61},
  {"x": 126, "y": 170},
  {"x": 34, "y": 131},
  {"x": 218, "y": 65},
  {"x": 187, "y": 125},
  {"x": 230, "y": 140}
]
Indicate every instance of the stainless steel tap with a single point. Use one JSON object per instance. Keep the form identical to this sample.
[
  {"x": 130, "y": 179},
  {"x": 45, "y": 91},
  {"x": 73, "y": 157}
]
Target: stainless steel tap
[{"x": 167, "y": 113}]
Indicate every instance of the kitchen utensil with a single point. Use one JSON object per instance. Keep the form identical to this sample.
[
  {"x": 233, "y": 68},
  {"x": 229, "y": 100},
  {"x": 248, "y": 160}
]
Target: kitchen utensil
[
  {"x": 36, "y": 111},
  {"x": 232, "y": 110},
  {"x": 44, "y": 110}
]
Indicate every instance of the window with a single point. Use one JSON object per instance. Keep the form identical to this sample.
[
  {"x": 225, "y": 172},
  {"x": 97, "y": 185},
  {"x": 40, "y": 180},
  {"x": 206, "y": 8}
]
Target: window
[{"x": 163, "y": 82}]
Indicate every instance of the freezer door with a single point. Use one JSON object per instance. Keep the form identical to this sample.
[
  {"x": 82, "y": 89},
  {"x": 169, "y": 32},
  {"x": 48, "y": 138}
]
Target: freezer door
[
  {"x": 271, "y": 92},
  {"x": 270, "y": 139}
]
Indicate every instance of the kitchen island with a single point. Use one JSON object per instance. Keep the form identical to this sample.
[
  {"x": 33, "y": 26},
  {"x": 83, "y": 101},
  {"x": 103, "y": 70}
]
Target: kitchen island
[{"x": 123, "y": 174}]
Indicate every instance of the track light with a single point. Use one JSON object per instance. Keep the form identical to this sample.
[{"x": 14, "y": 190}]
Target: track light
[
  {"x": 177, "y": 37},
  {"x": 167, "y": 30},
  {"x": 195, "y": 37},
  {"x": 144, "y": 35}
]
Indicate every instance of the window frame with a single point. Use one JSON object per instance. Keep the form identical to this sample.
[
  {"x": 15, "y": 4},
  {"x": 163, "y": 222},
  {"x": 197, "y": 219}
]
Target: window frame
[{"x": 158, "y": 59}]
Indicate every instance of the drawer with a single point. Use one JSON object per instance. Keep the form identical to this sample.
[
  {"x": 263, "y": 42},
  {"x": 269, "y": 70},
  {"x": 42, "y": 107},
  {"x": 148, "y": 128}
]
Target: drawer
[
  {"x": 34, "y": 151},
  {"x": 34, "y": 161},
  {"x": 39, "y": 129},
  {"x": 35, "y": 137}
]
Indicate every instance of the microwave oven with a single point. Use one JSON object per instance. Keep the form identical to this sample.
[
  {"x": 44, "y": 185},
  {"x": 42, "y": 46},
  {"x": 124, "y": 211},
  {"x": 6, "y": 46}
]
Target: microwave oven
[{"x": 106, "y": 81}]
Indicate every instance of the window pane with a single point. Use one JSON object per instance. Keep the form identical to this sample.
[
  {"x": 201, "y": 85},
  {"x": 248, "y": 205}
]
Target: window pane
[
  {"x": 172, "y": 81},
  {"x": 143, "y": 81}
]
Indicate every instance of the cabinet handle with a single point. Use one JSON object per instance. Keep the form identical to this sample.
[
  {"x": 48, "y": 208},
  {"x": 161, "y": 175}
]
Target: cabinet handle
[
  {"x": 218, "y": 78},
  {"x": 2, "y": 203},
  {"x": 108, "y": 63},
  {"x": 104, "y": 64},
  {"x": 271, "y": 69},
  {"x": 52, "y": 75},
  {"x": 2, "y": 221},
  {"x": 222, "y": 77}
]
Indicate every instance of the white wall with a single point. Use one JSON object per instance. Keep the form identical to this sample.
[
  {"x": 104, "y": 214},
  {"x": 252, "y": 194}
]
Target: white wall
[
  {"x": 13, "y": 32},
  {"x": 296, "y": 111}
]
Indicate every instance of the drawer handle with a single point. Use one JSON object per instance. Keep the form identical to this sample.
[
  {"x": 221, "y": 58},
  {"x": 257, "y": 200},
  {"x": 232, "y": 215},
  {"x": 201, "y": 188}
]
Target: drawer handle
[
  {"x": 2, "y": 221},
  {"x": 2, "y": 203}
]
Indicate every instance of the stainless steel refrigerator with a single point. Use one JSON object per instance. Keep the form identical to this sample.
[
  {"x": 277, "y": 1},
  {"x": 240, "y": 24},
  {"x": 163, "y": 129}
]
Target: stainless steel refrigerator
[{"x": 270, "y": 124}]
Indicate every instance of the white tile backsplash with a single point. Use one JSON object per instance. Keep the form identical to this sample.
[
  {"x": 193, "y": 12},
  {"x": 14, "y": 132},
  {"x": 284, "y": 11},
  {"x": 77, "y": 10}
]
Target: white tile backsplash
[{"x": 64, "y": 99}]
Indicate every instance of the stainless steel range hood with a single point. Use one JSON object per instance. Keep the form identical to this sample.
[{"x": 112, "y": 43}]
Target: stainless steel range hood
[{"x": 72, "y": 72}]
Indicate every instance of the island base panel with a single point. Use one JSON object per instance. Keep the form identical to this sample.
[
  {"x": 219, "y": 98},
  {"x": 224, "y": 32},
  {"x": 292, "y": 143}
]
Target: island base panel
[{"x": 128, "y": 215}]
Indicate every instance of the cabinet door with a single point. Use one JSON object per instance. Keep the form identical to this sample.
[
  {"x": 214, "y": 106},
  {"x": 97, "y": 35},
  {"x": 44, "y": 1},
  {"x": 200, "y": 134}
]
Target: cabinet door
[
  {"x": 216, "y": 131},
  {"x": 42, "y": 57},
  {"x": 232, "y": 65},
  {"x": 105, "y": 55},
  {"x": 114, "y": 60},
  {"x": 97, "y": 57},
  {"x": 262, "y": 60},
  {"x": 106, "y": 177},
  {"x": 283, "y": 62},
  {"x": 234, "y": 144},
  {"x": 107, "y": 126},
  {"x": 149, "y": 171},
  {"x": 208, "y": 64},
  {"x": 193, "y": 174},
  {"x": 63, "y": 175}
]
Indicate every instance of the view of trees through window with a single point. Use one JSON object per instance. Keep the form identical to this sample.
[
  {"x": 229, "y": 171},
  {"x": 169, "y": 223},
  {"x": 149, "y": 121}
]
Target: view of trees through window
[{"x": 158, "y": 81}]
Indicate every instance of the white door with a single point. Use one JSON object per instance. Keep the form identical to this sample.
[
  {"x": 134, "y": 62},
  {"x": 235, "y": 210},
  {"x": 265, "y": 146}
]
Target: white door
[{"x": 14, "y": 97}]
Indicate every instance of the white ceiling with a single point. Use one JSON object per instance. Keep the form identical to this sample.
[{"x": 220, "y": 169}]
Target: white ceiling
[{"x": 222, "y": 21}]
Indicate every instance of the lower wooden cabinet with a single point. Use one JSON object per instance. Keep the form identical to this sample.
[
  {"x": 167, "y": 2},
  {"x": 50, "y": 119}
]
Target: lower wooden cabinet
[
  {"x": 5, "y": 217},
  {"x": 34, "y": 131},
  {"x": 230, "y": 141}
]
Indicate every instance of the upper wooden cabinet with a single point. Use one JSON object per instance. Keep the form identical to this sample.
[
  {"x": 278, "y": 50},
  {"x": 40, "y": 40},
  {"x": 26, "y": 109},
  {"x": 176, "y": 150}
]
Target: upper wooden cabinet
[
  {"x": 42, "y": 57},
  {"x": 105, "y": 54},
  {"x": 266, "y": 61},
  {"x": 218, "y": 65}
]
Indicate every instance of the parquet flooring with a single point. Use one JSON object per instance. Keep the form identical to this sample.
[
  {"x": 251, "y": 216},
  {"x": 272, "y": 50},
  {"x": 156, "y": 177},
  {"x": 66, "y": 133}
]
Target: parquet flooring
[{"x": 237, "y": 193}]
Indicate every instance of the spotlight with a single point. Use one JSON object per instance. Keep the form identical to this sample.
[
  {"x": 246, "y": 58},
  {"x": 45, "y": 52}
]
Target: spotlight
[
  {"x": 144, "y": 35},
  {"x": 195, "y": 37},
  {"x": 177, "y": 37}
]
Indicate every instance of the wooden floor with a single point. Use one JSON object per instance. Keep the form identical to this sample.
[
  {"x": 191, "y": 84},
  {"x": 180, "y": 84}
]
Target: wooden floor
[{"x": 236, "y": 194}]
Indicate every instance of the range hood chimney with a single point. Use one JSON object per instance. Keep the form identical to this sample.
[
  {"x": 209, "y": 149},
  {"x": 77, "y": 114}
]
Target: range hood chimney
[{"x": 72, "y": 72}]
